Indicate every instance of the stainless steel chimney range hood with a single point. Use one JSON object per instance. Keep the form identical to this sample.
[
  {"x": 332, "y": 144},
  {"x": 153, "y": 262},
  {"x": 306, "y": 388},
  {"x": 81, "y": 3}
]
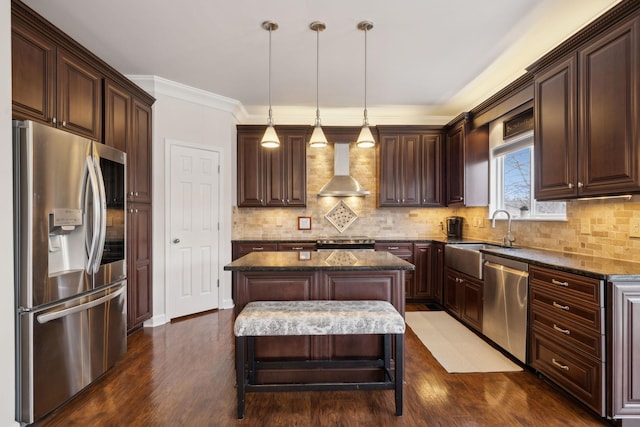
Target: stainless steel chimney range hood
[{"x": 342, "y": 184}]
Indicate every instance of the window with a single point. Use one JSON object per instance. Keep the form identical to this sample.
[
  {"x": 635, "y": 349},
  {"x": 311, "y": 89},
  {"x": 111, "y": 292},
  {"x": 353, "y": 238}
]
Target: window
[{"x": 512, "y": 175}]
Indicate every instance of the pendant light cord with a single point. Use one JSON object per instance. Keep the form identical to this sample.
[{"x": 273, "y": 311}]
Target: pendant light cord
[
  {"x": 270, "y": 115},
  {"x": 317, "y": 77},
  {"x": 366, "y": 119}
]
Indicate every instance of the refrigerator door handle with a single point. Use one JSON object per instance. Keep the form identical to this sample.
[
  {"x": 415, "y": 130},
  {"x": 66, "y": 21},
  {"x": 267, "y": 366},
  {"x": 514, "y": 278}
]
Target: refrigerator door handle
[
  {"x": 44, "y": 318},
  {"x": 103, "y": 214},
  {"x": 95, "y": 237}
]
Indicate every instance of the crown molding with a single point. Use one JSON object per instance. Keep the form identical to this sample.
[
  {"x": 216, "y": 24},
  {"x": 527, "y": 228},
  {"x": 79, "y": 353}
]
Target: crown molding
[{"x": 155, "y": 86}]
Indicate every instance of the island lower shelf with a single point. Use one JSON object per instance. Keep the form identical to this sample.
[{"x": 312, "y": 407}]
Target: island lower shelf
[{"x": 379, "y": 282}]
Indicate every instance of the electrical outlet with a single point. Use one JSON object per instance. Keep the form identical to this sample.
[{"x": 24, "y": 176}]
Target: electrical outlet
[
  {"x": 585, "y": 227},
  {"x": 635, "y": 227}
]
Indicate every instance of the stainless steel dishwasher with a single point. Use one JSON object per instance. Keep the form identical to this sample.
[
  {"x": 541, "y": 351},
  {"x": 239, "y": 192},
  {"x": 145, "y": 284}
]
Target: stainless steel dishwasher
[{"x": 504, "y": 317}]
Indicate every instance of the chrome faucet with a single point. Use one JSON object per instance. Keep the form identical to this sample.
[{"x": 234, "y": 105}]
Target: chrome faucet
[{"x": 508, "y": 239}]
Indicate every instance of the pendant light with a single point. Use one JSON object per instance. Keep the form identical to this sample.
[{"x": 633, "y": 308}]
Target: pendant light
[
  {"x": 365, "y": 139},
  {"x": 317, "y": 137},
  {"x": 270, "y": 138}
]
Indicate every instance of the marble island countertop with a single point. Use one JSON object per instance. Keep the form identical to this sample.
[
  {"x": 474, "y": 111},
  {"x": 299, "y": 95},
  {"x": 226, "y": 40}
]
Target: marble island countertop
[{"x": 310, "y": 260}]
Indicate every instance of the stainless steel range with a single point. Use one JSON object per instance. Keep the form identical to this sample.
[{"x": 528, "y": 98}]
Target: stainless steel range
[{"x": 344, "y": 243}]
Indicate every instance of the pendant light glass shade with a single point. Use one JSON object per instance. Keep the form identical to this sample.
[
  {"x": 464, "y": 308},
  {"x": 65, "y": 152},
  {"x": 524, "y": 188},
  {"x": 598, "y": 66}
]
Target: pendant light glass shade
[
  {"x": 270, "y": 138},
  {"x": 317, "y": 137},
  {"x": 365, "y": 139}
]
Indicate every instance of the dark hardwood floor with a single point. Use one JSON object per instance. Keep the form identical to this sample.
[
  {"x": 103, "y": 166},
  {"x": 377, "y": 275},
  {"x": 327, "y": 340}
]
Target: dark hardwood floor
[{"x": 182, "y": 374}]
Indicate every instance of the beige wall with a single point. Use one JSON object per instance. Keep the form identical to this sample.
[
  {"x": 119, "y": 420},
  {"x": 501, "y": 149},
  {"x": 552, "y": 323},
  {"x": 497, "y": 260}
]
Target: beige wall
[{"x": 608, "y": 220}]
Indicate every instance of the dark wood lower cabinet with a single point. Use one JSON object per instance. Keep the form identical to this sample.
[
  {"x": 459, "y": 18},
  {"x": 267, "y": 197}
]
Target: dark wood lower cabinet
[
  {"x": 463, "y": 297},
  {"x": 423, "y": 280},
  {"x": 139, "y": 296},
  {"x": 402, "y": 250},
  {"x": 309, "y": 285},
  {"x": 566, "y": 337}
]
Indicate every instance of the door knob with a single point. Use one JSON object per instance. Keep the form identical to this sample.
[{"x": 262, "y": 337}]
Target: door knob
[{"x": 176, "y": 240}]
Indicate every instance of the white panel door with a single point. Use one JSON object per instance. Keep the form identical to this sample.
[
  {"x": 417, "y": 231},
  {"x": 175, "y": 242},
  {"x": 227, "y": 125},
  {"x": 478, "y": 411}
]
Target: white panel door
[{"x": 194, "y": 201}]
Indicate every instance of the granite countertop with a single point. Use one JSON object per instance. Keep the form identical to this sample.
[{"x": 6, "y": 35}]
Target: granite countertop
[
  {"x": 310, "y": 260},
  {"x": 596, "y": 267},
  {"x": 599, "y": 268}
]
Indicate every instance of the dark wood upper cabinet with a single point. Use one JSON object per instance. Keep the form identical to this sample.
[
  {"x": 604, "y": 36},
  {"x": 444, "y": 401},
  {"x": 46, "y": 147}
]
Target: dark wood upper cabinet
[
  {"x": 286, "y": 174},
  {"x": 79, "y": 96},
  {"x": 251, "y": 166},
  {"x": 467, "y": 163},
  {"x": 410, "y": 167},
  {"x": 555, "y": 131},
  {"x": 432, "y": 162},
  {"x": 117, "y": 116},
  {"x": 272, "y": 177},
  {"x": 455, "y": 163},
  {"x": 33, "y": 62},
  {"x": 139, "y": 156},
  {"x": 586, "y": 118},
  {"x": 127, "y": 127},
  {"x": 609, "y": 112},
  {"x": 52, "y": 85}
]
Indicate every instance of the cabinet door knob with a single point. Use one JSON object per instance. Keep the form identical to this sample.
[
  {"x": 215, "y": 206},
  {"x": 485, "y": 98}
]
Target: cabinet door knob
[
  {"x": 570, "y": 185},
  {"x": 580, "y": 184},
  {"x": 176, "y": 241}
]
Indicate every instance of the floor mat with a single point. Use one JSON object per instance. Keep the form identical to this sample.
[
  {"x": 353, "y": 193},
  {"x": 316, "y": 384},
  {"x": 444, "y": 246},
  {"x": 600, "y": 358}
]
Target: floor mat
[{"x": 454, "y": 346}]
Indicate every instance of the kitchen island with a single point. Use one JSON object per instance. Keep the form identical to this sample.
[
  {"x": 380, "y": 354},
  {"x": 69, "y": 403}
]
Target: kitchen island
[{"x": 297, "y": 276}]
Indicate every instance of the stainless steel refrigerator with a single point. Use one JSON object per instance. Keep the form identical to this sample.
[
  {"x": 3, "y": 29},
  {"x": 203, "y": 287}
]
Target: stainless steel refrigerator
[{"x": 70, "y": 282}]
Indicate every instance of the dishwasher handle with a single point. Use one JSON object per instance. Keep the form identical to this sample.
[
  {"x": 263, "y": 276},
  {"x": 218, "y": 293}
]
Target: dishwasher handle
[{"x": 506, "y": 269}]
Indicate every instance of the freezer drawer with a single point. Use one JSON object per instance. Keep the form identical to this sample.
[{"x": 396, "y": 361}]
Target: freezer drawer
[{"x": 66, "y": 346}]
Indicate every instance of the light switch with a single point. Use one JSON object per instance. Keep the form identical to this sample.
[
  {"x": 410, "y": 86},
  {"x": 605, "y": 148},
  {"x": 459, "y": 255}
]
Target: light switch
[
  {"x": 585, "y": 227},
  {"x": 635, "y": 227}
]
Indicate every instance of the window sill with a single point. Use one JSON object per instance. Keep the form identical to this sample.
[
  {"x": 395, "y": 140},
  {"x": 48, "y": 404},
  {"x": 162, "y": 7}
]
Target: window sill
[{"x": 532, "y": 218}]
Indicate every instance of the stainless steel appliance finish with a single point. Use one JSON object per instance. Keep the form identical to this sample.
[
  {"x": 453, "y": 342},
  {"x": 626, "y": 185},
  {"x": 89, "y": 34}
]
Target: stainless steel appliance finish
[
  {"x": 504, "y": 317},
  {"x": 466, "y": 258},
  {"x": 70, "y": 264},
  {"x": 355, "y": 243},
  {"x": 342, "y": 184},
  {"x": 454, "y": 227}
]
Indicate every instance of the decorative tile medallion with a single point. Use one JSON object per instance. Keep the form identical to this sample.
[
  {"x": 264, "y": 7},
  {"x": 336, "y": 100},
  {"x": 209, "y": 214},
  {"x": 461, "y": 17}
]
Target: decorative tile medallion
[
  {"x": 341, "y": 258},
  {"x": 341, "y": 216}
]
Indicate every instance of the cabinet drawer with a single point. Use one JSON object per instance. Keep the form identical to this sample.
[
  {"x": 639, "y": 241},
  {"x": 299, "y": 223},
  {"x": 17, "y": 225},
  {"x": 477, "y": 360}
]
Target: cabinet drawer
[
  {"x": 568, "y": 332},
  {"x": 403, "y": 250},
  {"x": 581, "y": 287},
  {"x": 245, "y": 248},
  {"x": 577, "y": 374},
  {"x": 566, "y": 308},
  {"x": 297, "y": 246}
]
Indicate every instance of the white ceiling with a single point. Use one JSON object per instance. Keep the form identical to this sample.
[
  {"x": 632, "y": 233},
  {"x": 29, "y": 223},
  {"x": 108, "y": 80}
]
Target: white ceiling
[{"x": 428, "y": 60}]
